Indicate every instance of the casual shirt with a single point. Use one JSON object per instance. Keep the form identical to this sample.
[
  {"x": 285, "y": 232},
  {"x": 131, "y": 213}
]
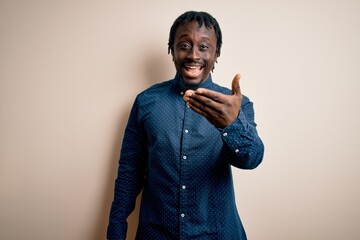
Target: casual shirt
[{"x": 183, "y": 165}]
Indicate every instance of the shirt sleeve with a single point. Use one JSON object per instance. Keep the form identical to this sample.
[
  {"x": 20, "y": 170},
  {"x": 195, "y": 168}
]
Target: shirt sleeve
[
  {"x": 242, "y": 143},
  {"x": 131, "y": 175}
]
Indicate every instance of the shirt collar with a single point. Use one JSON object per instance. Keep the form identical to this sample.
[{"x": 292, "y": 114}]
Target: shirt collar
[{"x": 180, "y": 88}]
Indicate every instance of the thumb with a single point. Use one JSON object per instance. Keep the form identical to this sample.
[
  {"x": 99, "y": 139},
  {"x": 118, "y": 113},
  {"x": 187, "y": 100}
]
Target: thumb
[{"x": 235, "y": 85}]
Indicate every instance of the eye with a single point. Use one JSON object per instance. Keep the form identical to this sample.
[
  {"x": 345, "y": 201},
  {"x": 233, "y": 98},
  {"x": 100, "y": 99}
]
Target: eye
[
  {"x": 203, "y": 47},
  {"x": 184, "y": 46}
]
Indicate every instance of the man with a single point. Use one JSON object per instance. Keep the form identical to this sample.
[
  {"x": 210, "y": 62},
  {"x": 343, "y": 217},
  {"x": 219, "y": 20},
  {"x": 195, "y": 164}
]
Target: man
[{"x": 182, "y": 138}]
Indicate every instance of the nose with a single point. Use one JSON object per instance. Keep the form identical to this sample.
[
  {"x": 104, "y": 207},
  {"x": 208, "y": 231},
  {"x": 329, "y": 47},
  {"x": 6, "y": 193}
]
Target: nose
[{"x": 194, "y": 54}]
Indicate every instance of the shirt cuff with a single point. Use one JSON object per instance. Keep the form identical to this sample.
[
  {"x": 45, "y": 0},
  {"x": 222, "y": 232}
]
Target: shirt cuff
[{"x": 233, "y": 133}]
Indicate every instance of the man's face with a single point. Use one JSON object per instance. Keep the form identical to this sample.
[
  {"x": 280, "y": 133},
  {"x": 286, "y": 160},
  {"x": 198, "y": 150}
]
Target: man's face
[{"x": 194, "y": 52}]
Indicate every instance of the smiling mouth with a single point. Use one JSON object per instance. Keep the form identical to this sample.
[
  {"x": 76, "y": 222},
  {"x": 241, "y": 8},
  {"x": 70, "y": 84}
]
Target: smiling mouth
[{"x": 193, "y": 69}]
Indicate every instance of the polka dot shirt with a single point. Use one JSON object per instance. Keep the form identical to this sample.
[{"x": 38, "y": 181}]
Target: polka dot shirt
[{"x": 183, "y": 165}]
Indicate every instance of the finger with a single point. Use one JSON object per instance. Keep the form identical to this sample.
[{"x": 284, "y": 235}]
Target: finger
[
  {"x": 235, "y": 85},
  {"x": 205, "y": 102},
  {"x": 213, "y": 95},
  {"x": 201, "y": 104},
  {"x": 203, "y": 110},
  {"x": 189, "y": 93},
  {"x": 197, "y": 109}
]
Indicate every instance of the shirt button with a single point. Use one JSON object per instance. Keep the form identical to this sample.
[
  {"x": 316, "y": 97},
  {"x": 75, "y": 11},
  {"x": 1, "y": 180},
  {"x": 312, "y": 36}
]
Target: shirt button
[
  {"x": 182, "y": 215},
  {"x": 184, "y": 157},
  {"x": 224, "y": 134},
  {"x": 182, "y": 93},
  {"x": 236, "y": 150},
  {"x": 186, "y": 131},
  {"x": 183, "y": 187}
]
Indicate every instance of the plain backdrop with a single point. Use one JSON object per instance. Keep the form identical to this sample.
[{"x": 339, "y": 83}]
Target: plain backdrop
[{"x": 70, "y": 70}]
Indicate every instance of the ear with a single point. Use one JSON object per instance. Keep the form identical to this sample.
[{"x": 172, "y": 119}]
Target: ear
[
  {"x": 172, "y": 52},
  {"x": 217, "y": 53}
]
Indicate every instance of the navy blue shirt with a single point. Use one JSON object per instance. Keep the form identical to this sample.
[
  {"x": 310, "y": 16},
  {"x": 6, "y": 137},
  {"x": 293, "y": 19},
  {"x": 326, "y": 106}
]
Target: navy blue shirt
[{"x": 183, "y": 164}]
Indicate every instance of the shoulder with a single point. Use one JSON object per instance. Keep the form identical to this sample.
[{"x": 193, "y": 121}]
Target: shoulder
[
  {"x": 158, "y": 87},
  {"x": 154, "y": 92},
  {"x": 221, "y": 89},
  {"x": 225, "y": 90}
]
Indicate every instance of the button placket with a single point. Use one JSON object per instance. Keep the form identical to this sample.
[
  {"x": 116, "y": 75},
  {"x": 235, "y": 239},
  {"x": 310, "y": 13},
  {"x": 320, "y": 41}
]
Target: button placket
[{"x": 184, "y": 171}]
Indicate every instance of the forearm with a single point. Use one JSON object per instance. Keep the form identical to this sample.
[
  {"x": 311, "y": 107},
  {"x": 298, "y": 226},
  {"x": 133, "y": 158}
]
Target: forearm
[
  {"x": 243, "y": 146},
  {"x": 128, "y": 185}
]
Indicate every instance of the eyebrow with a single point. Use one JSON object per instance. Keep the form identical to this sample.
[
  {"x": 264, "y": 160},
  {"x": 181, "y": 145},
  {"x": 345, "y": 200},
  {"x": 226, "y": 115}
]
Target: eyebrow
[
  {"x": 183, "y": 35},
  {"x": 186, "y": 35}
]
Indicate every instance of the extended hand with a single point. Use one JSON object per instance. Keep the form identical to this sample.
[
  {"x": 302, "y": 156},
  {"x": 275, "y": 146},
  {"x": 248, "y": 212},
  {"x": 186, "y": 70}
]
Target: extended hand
[{"x": 219, "y": 109}]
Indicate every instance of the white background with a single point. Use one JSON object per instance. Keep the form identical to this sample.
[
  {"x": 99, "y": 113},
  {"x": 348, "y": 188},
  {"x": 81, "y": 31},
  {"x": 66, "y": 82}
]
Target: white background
[{"x": 70, "y": 70}]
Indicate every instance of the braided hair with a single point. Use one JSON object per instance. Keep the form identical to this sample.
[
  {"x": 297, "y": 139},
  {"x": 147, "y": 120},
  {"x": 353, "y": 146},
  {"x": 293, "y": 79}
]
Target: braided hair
[{"x": 202, "y": 18}]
